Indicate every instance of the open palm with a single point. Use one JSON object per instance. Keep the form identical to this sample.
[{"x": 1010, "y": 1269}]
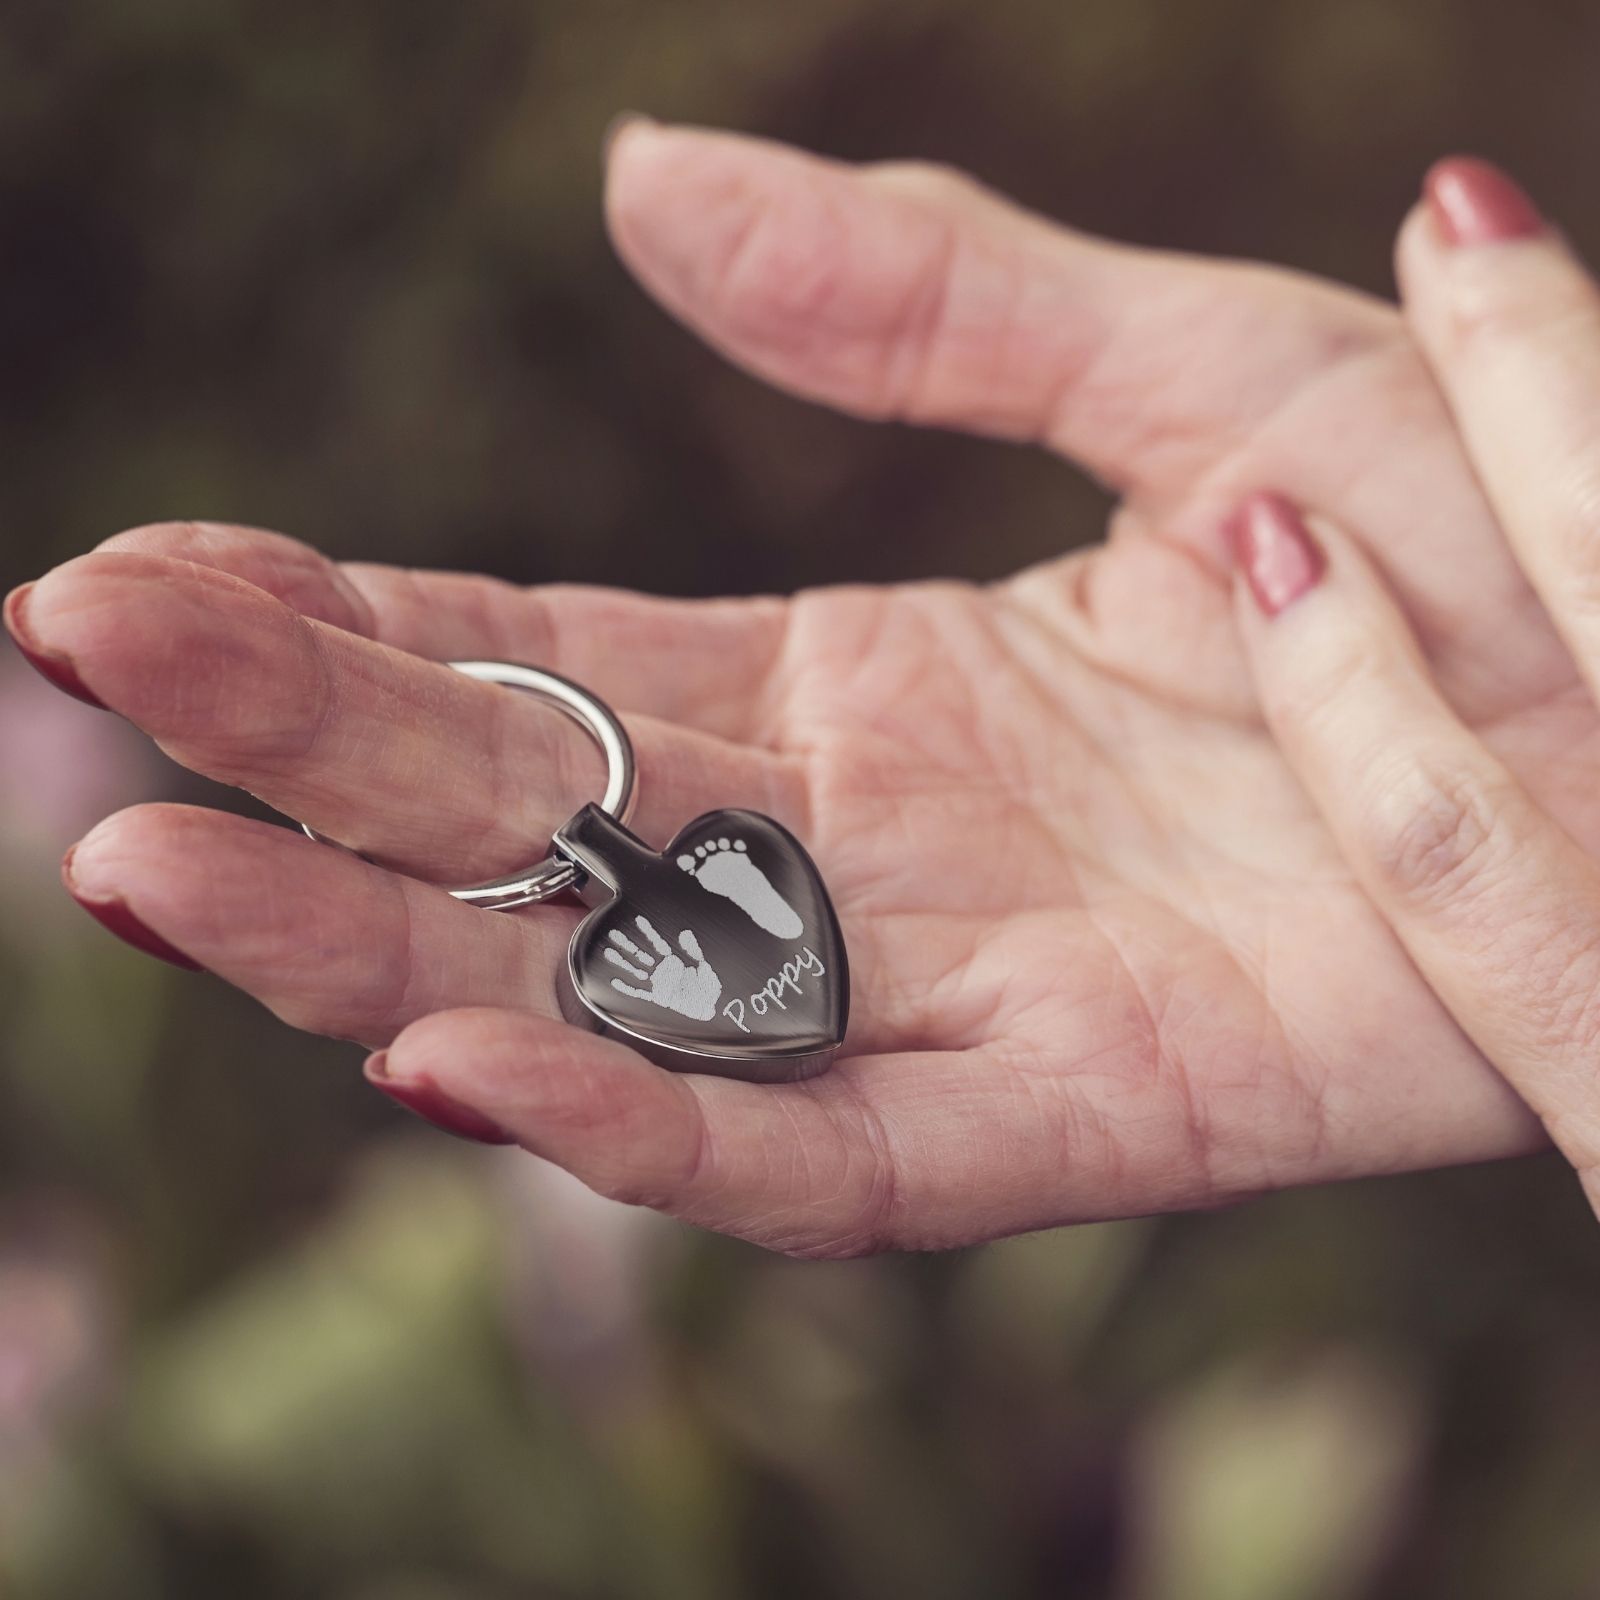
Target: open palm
[{"x": 1106, "y": 960}]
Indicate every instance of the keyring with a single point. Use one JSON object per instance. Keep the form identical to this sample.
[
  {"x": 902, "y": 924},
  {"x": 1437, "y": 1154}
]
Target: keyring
[
  {"x": 721, "y": 953},
  {"x": 555, "y": 874}
]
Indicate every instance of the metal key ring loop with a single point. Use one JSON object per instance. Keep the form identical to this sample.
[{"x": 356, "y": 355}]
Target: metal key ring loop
[{"x": 555, "y": 874}]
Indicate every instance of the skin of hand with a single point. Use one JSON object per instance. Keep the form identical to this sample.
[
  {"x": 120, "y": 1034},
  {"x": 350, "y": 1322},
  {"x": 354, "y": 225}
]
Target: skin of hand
[
  {"x": 1107, "y": 958},
  {"x": 1497, "y": 902}
]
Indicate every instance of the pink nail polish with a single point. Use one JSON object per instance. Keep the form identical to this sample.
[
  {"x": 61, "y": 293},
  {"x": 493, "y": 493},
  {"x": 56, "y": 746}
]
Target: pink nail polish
[
  {"x": 1274, "y": 549},
  {"x": 113, "y": 913},
  {"x": 56, "y": 669},
  {"x": 1473, "y": 202},
  {"x": 425, "y": 1099}
]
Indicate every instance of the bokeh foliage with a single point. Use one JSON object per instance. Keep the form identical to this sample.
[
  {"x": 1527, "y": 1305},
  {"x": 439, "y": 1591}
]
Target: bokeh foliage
[{"x": 337, "y": 267}]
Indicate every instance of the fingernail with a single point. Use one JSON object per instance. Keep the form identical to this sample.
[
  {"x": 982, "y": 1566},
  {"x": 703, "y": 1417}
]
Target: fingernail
[
  {"x": 615, "y": 128},
  {"x": 426, "y": 1100},
  {"x": 57, "y": 668},
  {"x": 1274, "y": 549},
  {"x": 113, "y": 913},
  {"x": 1473, "y": 202}
]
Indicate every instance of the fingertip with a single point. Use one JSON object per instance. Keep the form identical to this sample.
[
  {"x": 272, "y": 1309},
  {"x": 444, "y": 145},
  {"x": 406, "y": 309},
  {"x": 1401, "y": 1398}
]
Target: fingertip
[
  {"x": 55, "y": 621},
  {"x": 86, "y": 583},
  {"x": 178, "y": 648},
  {"x": 115, "y": 616},
  {"x": 1274, "y": 551},
  {"x": 1416, "y": 242},
  {"x": 90, "y": 874},
  {"x": 439, "y": 1036},
  {"x": 588, "y": 1104},
  {"x": 1466, "y": 203},
  {"x": 423, "y": 1098},
  {"x": 1475, "y": 202},
  {"x": 678, "y": 200},
  {"x": 289, "y": 570},
  {"x": 188, "y": 868},
  {"x": 632, "y": 152},
  {"x": 617, "y": 129},
  {"x": 13, "y": 611},
  {"x": 54, "y": 666},
  {"x": 514, "y": 1061},
  {"x": 91, "y": 865}
]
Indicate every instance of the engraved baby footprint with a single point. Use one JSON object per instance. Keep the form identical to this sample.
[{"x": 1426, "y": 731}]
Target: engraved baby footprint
[
  {"x": 669, "y": 981},
  {"x": 727, "y": 869}
]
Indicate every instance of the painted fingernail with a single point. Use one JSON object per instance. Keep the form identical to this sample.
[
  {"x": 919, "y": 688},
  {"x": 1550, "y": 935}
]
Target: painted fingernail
[
  {"x": 425, "y": 1099},
  {"x": 1274, "y": 549},
  {"x": 112, "y": 912},
  {"x": 1474, "y": 202},
  {"x": 615, "y": 129},
  {"x": 57, "y": 668}
]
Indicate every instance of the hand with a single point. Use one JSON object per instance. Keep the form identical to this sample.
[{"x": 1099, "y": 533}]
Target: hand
[
  {"x": 1497, "y": 903},
  {"x": 1106, "y": 957}
]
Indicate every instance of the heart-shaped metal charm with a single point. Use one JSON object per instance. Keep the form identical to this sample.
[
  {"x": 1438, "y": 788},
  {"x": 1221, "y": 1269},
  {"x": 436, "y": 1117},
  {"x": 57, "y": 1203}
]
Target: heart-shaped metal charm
[{"x": 721, "y": 954}]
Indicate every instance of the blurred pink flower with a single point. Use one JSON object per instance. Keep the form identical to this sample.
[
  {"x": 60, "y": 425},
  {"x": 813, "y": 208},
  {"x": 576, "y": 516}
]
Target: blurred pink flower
[{"x": 55, "y": 1340}]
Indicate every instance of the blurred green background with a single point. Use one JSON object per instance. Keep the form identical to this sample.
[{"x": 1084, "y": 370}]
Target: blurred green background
[{"x": 337, "y": 267}]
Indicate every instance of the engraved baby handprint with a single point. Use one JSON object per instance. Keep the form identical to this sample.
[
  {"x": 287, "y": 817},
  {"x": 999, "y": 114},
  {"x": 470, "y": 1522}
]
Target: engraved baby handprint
[{"x": 669, "y": 981}]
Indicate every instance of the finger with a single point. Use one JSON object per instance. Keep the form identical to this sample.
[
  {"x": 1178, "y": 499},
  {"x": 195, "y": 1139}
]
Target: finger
[
  {"x": 337, "y": 946},
  {"x": 920, "y": 1150},
  {"x": 708, "y": 664},
  {"x": 805, "y": 1168},
  {"x": 623, "y": 942},
  {"x": 910, "y": 292},
  {"x": 691, "y": 945},
  {"x": 327, "y": 942},
  {"x": 300, "y": 576},
  {"x": 656, "y": 942},
  {"x": 404, "y": 759},
  {"x": 628, "y": 988},
  {"x": 1499, "y": 909},
  {"x": 704, "y": 663},
  {"x": 1510, "y": 322}
]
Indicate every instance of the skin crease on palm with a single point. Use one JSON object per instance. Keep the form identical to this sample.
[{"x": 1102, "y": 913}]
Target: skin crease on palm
[{"x": 1107, "y": 959}]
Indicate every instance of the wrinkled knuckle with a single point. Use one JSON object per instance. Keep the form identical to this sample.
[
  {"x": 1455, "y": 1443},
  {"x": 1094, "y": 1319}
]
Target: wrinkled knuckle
[
  {"x": 785, "y": 266},
  {"x": 1434, "y": 836}
]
